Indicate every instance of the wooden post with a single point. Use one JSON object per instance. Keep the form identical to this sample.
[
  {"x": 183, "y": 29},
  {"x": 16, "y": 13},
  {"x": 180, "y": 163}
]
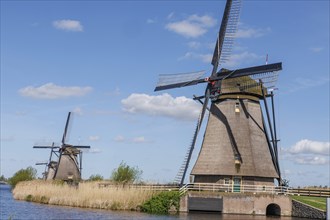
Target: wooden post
[{"x": 328, "y": 208}]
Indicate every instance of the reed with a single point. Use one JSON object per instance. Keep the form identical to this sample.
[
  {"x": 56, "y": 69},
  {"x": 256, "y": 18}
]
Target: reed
[{"x": 87, "y": 195}]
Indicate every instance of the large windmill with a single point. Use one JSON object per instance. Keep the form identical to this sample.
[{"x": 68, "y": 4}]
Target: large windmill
[
  {"x": 69, "y": 159},
  {"x": 237, "y": 148}
]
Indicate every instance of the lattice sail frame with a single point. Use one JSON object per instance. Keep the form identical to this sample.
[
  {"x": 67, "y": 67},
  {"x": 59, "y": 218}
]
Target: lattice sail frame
[
  {"x": 168, "y": 79},
  {"x": 231, "y": 31},
  {"x": 251, "y": 83}
]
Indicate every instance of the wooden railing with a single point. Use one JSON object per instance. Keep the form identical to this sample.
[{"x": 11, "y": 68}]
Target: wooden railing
[
  {"x": 229, "y": 188},
  {"x": 226, "y": 188},
  {"x": 154, "y": 187},
  {"x": 310, "y": 192}
]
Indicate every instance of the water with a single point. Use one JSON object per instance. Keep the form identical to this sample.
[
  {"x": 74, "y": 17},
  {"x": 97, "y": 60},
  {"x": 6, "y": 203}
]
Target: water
[{"x": 14, "y": 209}]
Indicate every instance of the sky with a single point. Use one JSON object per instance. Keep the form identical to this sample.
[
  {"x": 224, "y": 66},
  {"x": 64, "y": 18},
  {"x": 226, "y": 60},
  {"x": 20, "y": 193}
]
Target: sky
[{"x": 101, "y": 60}]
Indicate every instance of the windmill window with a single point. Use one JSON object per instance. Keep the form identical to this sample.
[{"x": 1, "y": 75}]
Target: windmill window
[
  {"x": 237, "y": 107},
  {"x": 226, "y": 181}
]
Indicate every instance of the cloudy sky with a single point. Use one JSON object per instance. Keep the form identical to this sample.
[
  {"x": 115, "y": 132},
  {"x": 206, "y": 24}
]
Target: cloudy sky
[{"x": 101, "y": 60}]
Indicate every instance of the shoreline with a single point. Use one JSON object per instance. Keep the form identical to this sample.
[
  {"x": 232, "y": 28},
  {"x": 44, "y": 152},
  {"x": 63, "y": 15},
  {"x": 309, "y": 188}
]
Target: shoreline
[
  {"x": 133, "y": 198},
  {"x": 87, "y": 195}
]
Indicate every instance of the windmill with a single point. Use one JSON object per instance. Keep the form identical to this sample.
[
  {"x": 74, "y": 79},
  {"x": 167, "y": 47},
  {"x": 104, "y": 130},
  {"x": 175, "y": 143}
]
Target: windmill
[
  {"x": 237, "y": 148},
  {"x": 50, "y": 166},
  {"x": 68, "y": 166}
]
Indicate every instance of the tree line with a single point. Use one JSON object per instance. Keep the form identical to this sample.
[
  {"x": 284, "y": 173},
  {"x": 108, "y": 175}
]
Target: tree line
[{"x": 123, "y": 174}]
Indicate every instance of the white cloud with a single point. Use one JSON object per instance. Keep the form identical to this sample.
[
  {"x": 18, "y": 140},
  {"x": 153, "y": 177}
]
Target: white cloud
[
  {"x": 242, "y": 58},
  {"x": 77, "y": 111},
  {"x": 20, "y": 113},
  {"x": 205, "y": 58},
  {"x": 194, "y": 44},
  {"x": 310, "y": 147},
  {"x": 151, "y": 21},
  {"x": 119, "y": 138},
  {"x": 238, "y": 47},
  {"x": 94, "y": 138},
  {"x": 34, "y": 24},
  {"x": 247, "y": 32},
  {"x": 115, "y": 92},
  {"x": 316, "y": 49},
  {"x": 163, "y": 105},
  {"x": 52, "y": 91},
  {"x": 105, "y": 112},
  {"x": 287, "y": 172},
  {"x": 186, "y": 29},
  {"x": 139, "y": 140},
  {"x": 306, "y": 83},
  {"x": 312, "y": 160},
  {"x": 192, "y": 27},
  {"x": 7, "y": 139},
  {"x": 205, "y": 20},
  {"x": 309, "y": 152},
  {"x": 68, "y": 25},
  {"x": 94, "y": 150},
  {"x": 170, "y": 16}
]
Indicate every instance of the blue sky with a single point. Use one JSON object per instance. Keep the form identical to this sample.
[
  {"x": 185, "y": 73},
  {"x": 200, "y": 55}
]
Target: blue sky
[{"x": 101, "y": 60}]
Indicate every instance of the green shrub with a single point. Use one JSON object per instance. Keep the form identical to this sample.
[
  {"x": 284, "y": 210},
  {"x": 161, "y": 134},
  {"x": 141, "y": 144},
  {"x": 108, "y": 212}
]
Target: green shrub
[
  {"x": 3, "y": 178},
  {"x": 44, "y": 200},
  {"x": 96, "y": 177},
  {"x": 29, "y": 173},
  {"x": 115, "y": 206},
  {"x": 28, "y": 198},
  {"x": 125, "y": 174},
  {"x": 58, "y": 182},
  {"x": 162, "y": 203}
]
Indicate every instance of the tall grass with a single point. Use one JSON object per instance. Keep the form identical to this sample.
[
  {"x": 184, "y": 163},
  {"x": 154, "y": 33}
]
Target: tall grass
[{"x": 87, "y": 195}]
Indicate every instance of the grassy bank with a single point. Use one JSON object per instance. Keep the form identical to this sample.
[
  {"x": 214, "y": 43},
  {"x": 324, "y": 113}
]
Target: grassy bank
[
  {"x": 87, "y": 195},
  {"x": 317, "y": 202}
]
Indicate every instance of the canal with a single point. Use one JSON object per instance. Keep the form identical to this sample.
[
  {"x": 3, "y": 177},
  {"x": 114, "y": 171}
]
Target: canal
[{"x": 13, "y": 209}]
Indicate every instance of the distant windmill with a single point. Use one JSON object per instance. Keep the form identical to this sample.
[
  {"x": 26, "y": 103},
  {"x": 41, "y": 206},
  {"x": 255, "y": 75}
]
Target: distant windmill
[
  {"x": 51, "y": 165},
  {"x": 69, "y": 159},
  {"x": 236, "y": 148}
]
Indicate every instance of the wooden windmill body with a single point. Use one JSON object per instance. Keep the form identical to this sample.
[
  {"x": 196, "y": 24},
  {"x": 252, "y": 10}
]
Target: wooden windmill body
[
  {"x": 50, "y": 170},
  {"x": 237, "y": 147},
  {"x": 68, "y": 165}
]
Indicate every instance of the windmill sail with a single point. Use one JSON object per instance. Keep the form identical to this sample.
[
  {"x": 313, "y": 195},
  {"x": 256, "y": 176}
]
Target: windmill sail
[
  {"x": 227, "y": 33},
  {"x": 169, "y": 81},
  {"x": 264, "y": 72}
]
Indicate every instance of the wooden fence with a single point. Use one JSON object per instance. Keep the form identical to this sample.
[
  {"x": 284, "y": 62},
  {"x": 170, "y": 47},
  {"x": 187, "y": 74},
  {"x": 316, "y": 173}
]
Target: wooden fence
[
  {"x": 154, "y": 187},
  {"x": 227, "y": 188},
  {"x": 310, "y": 192}
]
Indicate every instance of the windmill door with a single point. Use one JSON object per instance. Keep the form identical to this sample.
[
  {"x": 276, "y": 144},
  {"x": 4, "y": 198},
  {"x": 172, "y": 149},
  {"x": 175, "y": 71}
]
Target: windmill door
[{"x": 237, "y": 184}]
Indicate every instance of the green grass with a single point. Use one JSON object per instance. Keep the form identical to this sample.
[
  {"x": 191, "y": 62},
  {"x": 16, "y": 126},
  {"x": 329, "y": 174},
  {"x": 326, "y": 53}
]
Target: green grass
[{"x": 317, "y": 202}]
